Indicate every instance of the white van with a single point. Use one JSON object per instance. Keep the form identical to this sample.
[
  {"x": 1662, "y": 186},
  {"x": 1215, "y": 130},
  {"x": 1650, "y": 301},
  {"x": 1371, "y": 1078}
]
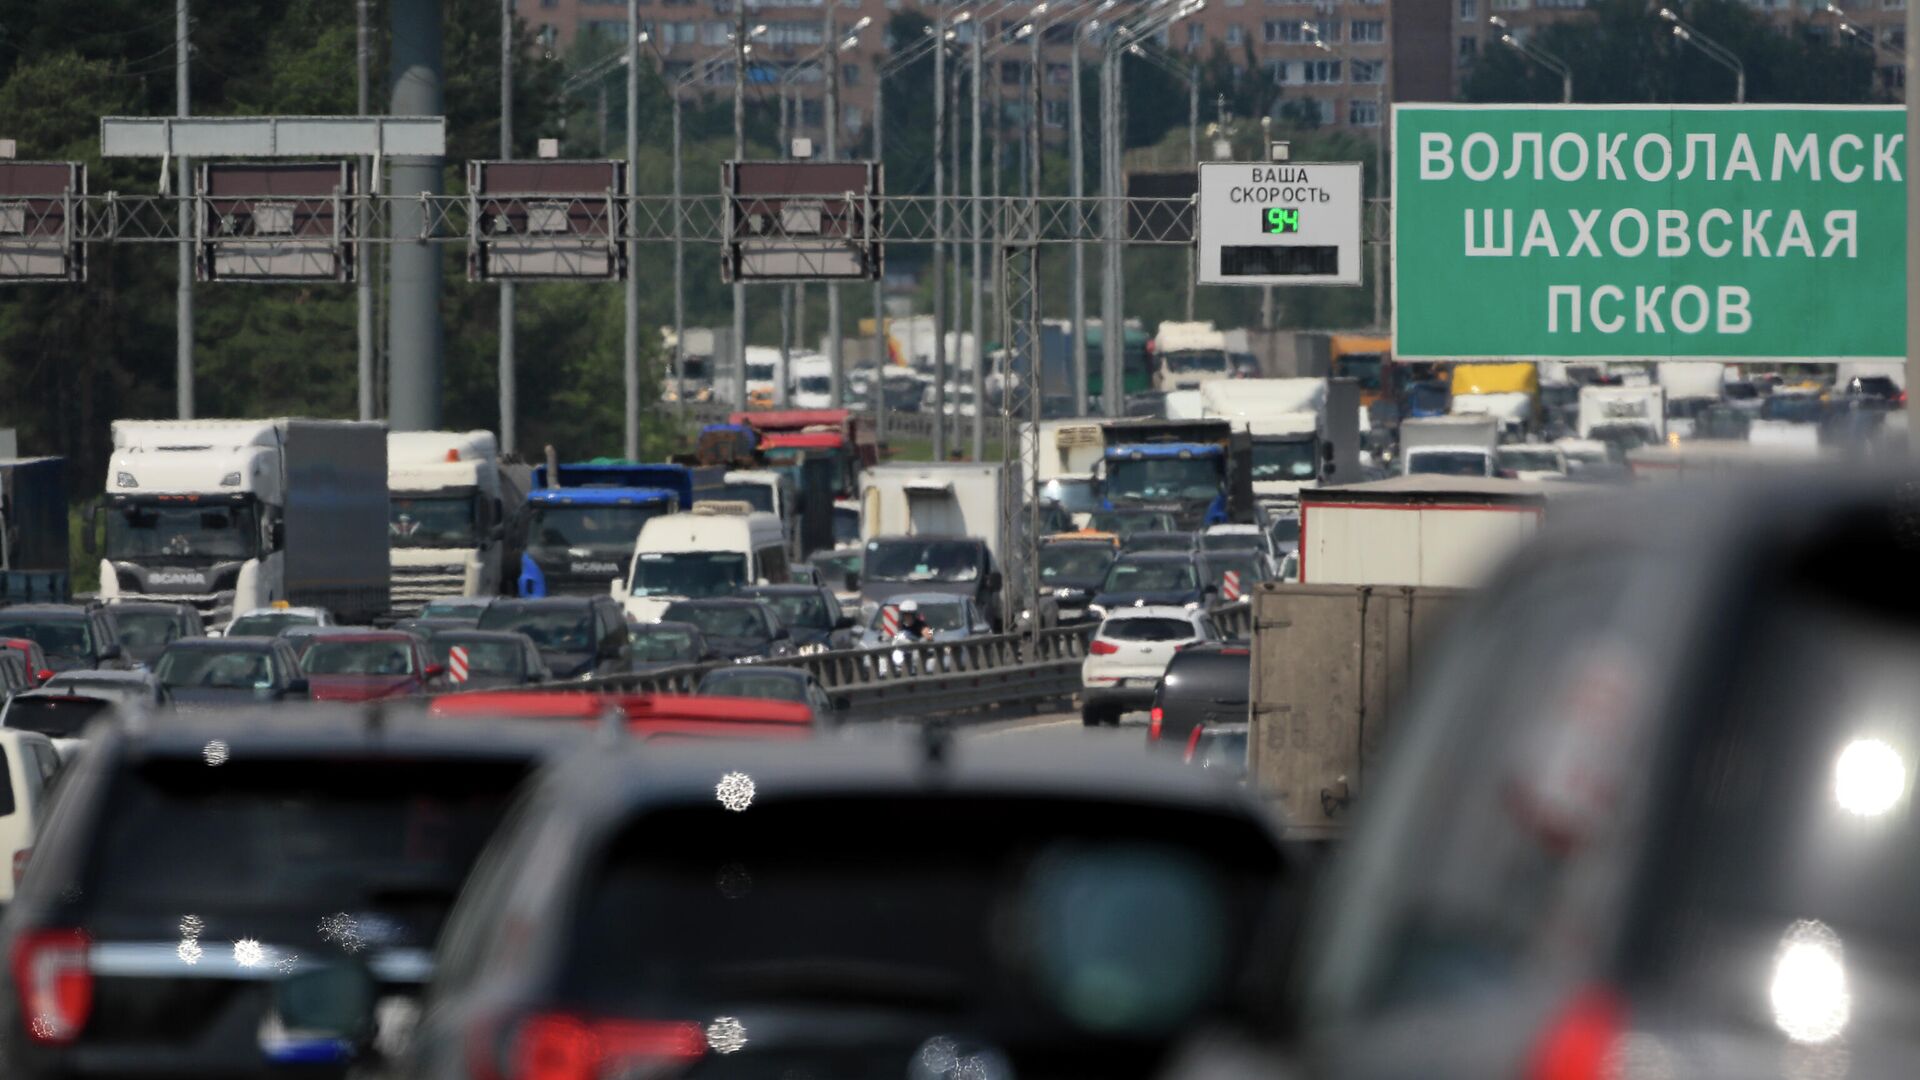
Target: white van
[
  {"x": 29, "y": 762},
  {"x": 812, "y": 386},
  {"x": 713, "y": 551}
]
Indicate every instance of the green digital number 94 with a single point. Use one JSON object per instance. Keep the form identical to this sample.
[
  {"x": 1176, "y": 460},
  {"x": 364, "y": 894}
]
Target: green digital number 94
[{"x": 1283, "y": 219}]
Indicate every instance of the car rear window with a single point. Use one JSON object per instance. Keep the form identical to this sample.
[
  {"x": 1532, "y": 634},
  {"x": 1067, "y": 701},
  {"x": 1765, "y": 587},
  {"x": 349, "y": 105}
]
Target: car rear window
[
  {"x": 1148, "y": 628},
  {"x": 303, "y": 835},
  {"x": 1210, "y": 674},
  {"x": 55, "y": 717},
  {"x": 900, "y": 903}
]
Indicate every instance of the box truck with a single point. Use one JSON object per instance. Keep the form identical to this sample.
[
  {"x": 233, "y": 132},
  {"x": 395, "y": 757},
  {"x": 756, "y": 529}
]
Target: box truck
[
  {"x": 1419, "y": 530},
  {"x": 450, "y": 504}
]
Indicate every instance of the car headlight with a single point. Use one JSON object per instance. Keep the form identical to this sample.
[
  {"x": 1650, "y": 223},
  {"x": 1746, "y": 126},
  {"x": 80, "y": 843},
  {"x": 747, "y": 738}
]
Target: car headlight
[
  {"x": 1193, "y": 605},
  {"x": 1063, "y": 594}
]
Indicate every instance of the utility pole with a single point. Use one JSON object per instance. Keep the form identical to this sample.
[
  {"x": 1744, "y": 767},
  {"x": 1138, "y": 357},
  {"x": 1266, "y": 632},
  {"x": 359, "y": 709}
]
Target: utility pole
[
  {"x": 630, "y": 447},
  {"x": 507, "y": 407},
  {"x": 739, "y": 154},
  {"x": 836, "y": 361},
  {"x": 413, "y": 313},
  {"x": 1193, "y": 155},
  {"x": 1111, "y": 335},
  {"x": 1077, "y": 153},
  {"x": 363, "y": 287},
  {"x": 979, "y": 267},
  {"x": 881, "y": 356},
  {"x": 183, "y": 296},
  {"x": 939, "y": 249}
]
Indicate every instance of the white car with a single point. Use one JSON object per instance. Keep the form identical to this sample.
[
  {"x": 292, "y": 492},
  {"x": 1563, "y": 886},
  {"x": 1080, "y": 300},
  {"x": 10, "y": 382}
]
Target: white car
[
  {"x": 1129, "y": 654},
  {"x": 30, "y": 762},
  {"x": 1532, "y": 461},
  {"x": 269, "y": 621}
]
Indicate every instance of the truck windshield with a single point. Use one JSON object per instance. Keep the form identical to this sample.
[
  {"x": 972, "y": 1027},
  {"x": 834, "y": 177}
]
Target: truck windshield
[
  {"x": 1529, "y": 460},
  {"x": 688, "y": 573},
  {"x": 438, "y": 521},
  {"x": 143, "y": 530},
  {"x": 1448, "y": 462},
  {"x": 1363, "y": 368},
  {"x": 760, "y": 372},
  {"x": 814, "y": 384},
  {"x": 1284, "y": 460},
  {"x": 1087, "y": 564},
  {"x": 1793, "y": 408},
  {"x": 922, "y": 560},
  {"x": 1163, "y": 478},
  {"x": 758, "y": 496},
  {"x": 1199, "y": 360},
  {"x": 600, "y": 528}
]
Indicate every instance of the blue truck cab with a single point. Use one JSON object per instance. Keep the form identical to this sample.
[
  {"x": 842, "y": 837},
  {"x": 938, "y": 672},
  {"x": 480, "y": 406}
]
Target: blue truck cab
[
  {"x": 1198, "y": 470},
  {"x": 582, "y": 524}
]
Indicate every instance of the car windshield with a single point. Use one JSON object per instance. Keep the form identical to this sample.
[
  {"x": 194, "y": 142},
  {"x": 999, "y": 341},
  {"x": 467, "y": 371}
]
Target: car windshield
[
  {"x": 1529, "y": 460},
  {"x": 1156, "y": 576},
  {"x": 1159, "y": 542},
  {"x": 1285, "y": 530},
  {"x": 299, "y": 838},
  {"x": 723, "y": 620},
  {"x": 922, "y": 560},
  {"x": 1147, "y": 628},
  {"x": 440, "y": 521},
  {"x": 1363, "y": 368},
  {"x": 601, "y": 529},
  {"x": 486, "y": 656},
  {"x": 1793, "y": 408},
  {"x": 806, "y": 610},
  {"x": 1163, "y": 478},
  {"x": 940, "y": 616},
  {"x": 269, "y": 623},
  {"x": 1741, "y": 391},
  {"x": 758, "y": 496},
  {"x": 553, "y": 629},
  {"x": 688, "y": 573},
  {"x": 453, "y": 609},
  {"x": 1284, "y": 460},
  {"x": 62, "y": 717},
  {"x": 145, "y": 629},
  {"x": 145, "y": 531},
  {"x": 846, "y": 525},
  {"x": 1447, "y": 463},
  {"x": 660, "y": 644},
  {"x": 219, "y": 669},
  {"x": 1074, "y": 496},
  {"x": 835, "y": 568},
  {"x": 758, "y": 372},
  {"x": 814, "y": 384},
  {"x": 1083, "y": 563},
  {"x": 1124, "y": 523},
  {"x": 1208, "y": 360},
  {"x": 337, "y": 657},
  {"x": 1231, "y": 541},
  {"x": 754, "y": 684},
  {"x": 67, "y": 639}
]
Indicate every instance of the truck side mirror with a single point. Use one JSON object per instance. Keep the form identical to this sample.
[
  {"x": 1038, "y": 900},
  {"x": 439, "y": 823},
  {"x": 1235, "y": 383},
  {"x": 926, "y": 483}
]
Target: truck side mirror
[
  {"x": 277, "y": 534},
  {"x": 994, "y": 581},
  {"x": 87, "y": 520}
]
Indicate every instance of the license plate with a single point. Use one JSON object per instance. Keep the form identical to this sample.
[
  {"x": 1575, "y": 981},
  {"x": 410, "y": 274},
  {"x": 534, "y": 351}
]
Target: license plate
[{"x": 1145, "y": 684}]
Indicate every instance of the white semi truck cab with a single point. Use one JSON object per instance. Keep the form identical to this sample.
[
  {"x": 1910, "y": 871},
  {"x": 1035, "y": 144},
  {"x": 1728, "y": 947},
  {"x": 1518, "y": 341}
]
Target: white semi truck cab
[
  {"x": 230, "y": 515},
  {"x": 447, "y": 522}
]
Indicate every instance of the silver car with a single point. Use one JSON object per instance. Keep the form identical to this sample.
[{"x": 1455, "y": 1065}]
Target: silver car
[{"x": 953, "y": 618}]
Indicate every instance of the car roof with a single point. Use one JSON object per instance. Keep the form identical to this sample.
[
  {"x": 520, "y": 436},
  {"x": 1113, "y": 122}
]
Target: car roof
[
  {"x": 795, "y": 674},
  {"x": 73, "y": 611},
  {"x": 538, "y": 602},
  {"x": 1233, "y": 528},
  {"x": 226, "y": 644},
  {"x": 718, "y": 601},
  {"x": 1160, "y": 534},
  {"x": 924, "y": 598},
  {"x": 663, "y": 624},
  {"x": 618, "y": 780},
  {"x": 921, "y": 538},
  {"x": 1156, "y": 556},
  {"x": 314, "y": 612},
  {"x": 1152, "y": 611},
  {"x": 149, "y": 605},
  {"x": 470, "y": 634},
  {"x": 98, "y": 675},
  {"x": 796, "y": 589}
]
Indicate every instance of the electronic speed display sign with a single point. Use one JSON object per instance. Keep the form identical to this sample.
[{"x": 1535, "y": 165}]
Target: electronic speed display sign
[{"x": 1280, "y": 223}]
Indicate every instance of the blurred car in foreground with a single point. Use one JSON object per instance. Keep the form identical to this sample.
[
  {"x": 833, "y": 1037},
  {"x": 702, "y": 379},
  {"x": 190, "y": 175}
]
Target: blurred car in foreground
[
  {"x": 1221, "y": 748},
  {"x": 1651, "y": 809},
  {"x": 145, "y": 628},
  {"x": 859, "y": 909},
  {"x": 771, "y": 683},
  {"x": 489, "y": 659},
  {"x": 61, "y": 716},
  {"x": 1129, "y": 653},
  {"x": 31, "y": 655},
  {"x": 1205, "y": 685},
  {"x": 230, "y": 671},
  {"x": 368, "y": 665},
  {"x": 199, "y": 870},
  {"x": 644, "y": 716}
]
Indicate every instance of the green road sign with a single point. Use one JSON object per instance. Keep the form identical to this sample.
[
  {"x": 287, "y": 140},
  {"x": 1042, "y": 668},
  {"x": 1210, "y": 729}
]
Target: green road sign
[{"x": 1628, "y": 232}]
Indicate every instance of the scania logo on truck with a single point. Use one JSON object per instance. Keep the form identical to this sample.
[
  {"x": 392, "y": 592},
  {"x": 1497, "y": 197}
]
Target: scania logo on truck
[
  {"x": 1627, "y": 410},
  {"x": 176, "y": 577},
  {"x": 596, "y": 568}
]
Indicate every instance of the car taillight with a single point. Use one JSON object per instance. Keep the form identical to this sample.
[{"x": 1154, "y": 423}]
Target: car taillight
[
  {"x": 20, "y": 864},
  {"x": 1153, "y": 725},
  {"x": 560, "y": 1046},
  {"x": 1193, "y": 740},
  {"x": 1102, "y": 648},
  {"x": 1580, "y": 1042},
  {"x": 55, "y": 987}
]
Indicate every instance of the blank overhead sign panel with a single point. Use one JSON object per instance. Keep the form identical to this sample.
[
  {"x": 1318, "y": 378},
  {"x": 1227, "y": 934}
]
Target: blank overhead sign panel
[
  {"x": 39, "y": 219},
  {"x": 289, "y": 221},
  {"x": 273, "y": 136},
  {"x": 546, "y": 220},
  {"x": 802, "y": 221},
  {"x": 1282, "y": 223}
]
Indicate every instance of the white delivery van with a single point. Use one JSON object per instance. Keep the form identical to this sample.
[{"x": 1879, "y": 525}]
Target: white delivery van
[{"x": 712, "y": 551}]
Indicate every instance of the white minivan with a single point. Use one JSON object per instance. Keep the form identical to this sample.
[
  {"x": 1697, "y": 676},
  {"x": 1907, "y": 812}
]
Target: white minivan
[{"x": 712, "y": 551}]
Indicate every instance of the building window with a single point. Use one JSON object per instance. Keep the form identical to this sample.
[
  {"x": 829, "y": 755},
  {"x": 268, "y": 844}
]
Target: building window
[
  {"x": 1236, "y": 34},
  {"x": 1322, "y": 109},
  {"x": 1010, "y": 72},
  {"x": 1367, "y": 31},
  {"x": 1363, "y": 112},
  {"x": 1367, "y": 71},
  {"x": 1059, "y": 75},
  {"x": 714, "y": 33},
  {"x": 851, "y": 119},
  {"x": 1509, "y": 5},
  {"x": 790, "y": 34},
  {"x": 1896, "y": 36},
  {"x": 1562, "y": 4},
  {"x": 1322, "y": 71},
  {"x": 1056, "y": 113},
  {"x": 1469, "y": 49},
  {"x": 1469, "y": 10},
  {"x": 849, "y": 74},
  {"x": 1305, "y": 72},
  {"x": 1894, "y": 5},
  {"x": 679, "y": 33},
  {"x": 1196, "y": 36},
  {"x": 1295, "y": 32}
]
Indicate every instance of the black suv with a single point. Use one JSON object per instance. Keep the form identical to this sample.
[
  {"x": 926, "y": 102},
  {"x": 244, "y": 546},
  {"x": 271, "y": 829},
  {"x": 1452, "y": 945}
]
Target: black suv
[
  {"x": 194, "y": 873},
  {"x": 71, "y": 635},
  {"x": 860, "y": 909},
  {"x": 579, "y": 637}
]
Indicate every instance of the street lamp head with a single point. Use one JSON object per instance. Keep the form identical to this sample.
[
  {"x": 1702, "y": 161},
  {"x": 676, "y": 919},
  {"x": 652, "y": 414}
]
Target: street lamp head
[
  {"x": 850, "y": 43},
  {"x": 644, "y": 36},
  {"x": 1507, "y": 39},
  {"x": 1681, "y": 33},
  {"x": 865, "y": 21},
  {"x": 758, "y": 31},
  {"x": 962, "y": 17},
  {"x": 1667, "y": 14},
  {"x": 1023, "y": 31},
  {"x": 1496, "y": 21},
  {"x": 1136, "y": 50},
  {"x": 1039, "y": 9}
]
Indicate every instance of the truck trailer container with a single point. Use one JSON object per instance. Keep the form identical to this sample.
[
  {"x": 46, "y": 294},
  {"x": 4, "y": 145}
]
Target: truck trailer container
[{"x": 1419, "y": 530}]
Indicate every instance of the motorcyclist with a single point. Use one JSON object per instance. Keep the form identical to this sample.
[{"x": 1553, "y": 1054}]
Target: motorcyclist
[{"x": 913, "y": 625}]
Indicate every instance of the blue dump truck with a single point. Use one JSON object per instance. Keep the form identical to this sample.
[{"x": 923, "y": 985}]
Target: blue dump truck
[
  {"x": 581, "y": 523},
  {"x": 1201, "y": 471},
  {"x": 33, "y": 530}
]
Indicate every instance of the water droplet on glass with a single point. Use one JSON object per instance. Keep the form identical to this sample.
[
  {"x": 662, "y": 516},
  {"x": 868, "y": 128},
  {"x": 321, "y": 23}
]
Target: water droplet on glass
[
  {"x": 735, "y": 791},
  {"x": 189, "y": 951},
  {"x": 215, "y": 752},
  {"x": 191, "y": 927},
  {"x": 248, "y": 953},
  {"x": 343, "y": 930},
  {"x": 726, "y": 1035},
  {"x": 734, "y": 881}
]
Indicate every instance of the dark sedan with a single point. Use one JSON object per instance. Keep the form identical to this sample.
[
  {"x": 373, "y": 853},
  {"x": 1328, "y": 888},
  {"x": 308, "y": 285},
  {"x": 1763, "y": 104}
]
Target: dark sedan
[
  {"x": 812, "y": 614},
  {"x": 772, "y": 684},
  {"x": 1073, "y": 570},
  {"x": 1152, "y": 577},
  {"x": 71, "y": 635},
  {"x": 736, "y": 629},
  {"x": 230, "y": 672},
  {"x": 578, "y": 636},
  {"x": 1205, "y": 685},
  {"x": 146, "y": 628},
  {"x": 659, "y": 645}
]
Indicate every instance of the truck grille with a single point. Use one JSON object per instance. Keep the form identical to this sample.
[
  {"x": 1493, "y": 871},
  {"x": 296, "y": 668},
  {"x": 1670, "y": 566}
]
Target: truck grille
[
  {"x": 215, "y": 608},
  {"x": 413, "y": 586}
]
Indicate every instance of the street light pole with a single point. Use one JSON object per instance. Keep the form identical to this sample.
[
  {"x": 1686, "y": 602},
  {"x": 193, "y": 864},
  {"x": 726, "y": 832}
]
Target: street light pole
[
  {"x": 1715, "y": 51},
  {"x": 363, "y": 287},
  {"x": 507, "y": 388},
  {"x": 630, "y": 444},
  {"x": 1538, "y": 55},
  {"x": 979, "y": 280},
  {"x": 939, "y": 249},
  {"x": 1076, "y": 152},
  {"x": 183, "y": 293},
  {"x": 836, "y": 364}
]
